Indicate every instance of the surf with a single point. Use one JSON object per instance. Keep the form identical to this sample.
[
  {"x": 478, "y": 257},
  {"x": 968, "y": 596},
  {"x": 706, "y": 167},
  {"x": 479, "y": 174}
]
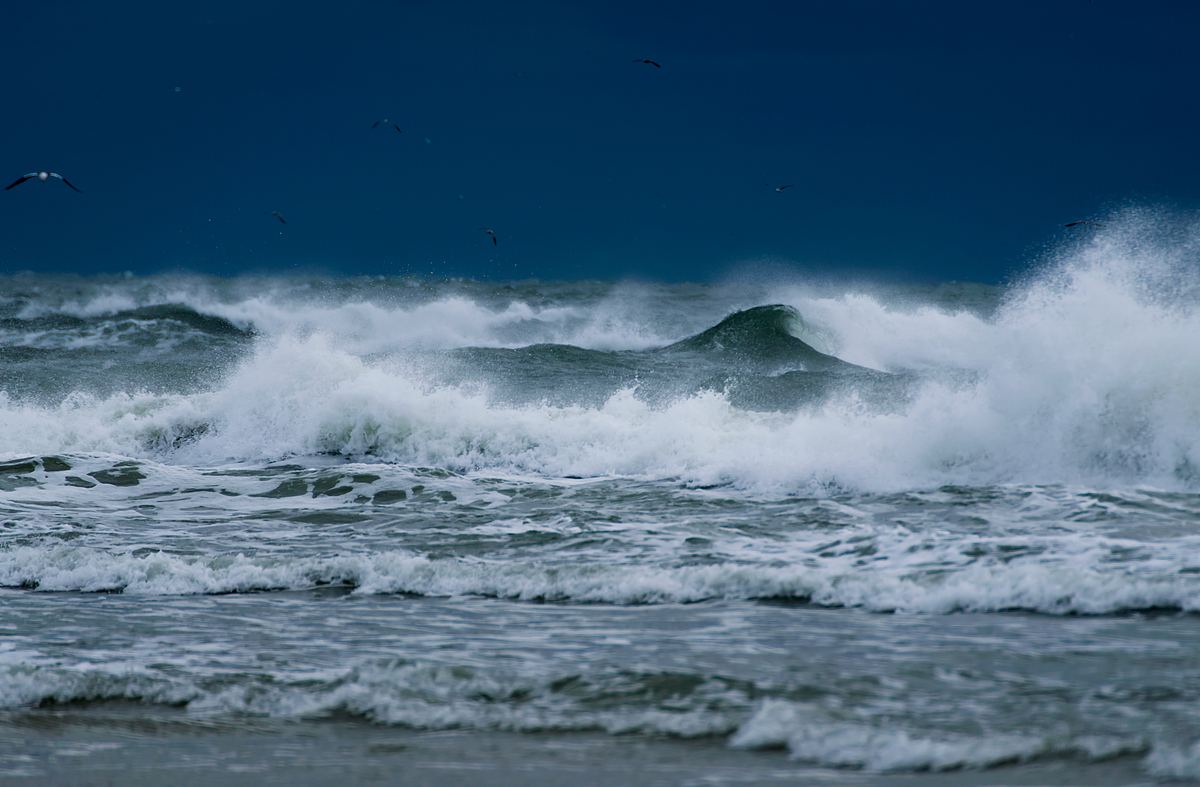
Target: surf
[{"x": 1082, "y": 374}]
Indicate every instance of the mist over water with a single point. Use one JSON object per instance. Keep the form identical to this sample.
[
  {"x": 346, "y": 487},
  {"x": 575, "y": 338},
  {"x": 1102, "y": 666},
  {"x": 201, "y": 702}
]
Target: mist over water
[
  {"x": 1080, "y": 374},
  {"x": 765, "y": 467}
]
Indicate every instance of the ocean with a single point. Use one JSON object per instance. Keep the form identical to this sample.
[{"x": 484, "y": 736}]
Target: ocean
[{"x": 300, "y": 528}]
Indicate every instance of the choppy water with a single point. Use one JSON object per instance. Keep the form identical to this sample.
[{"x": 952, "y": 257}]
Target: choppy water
[{"x": 804, "y": 527}]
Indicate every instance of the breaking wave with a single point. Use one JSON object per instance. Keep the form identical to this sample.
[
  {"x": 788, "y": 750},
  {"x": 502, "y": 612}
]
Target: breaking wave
[
  {"x": 810, "y": 735},
  {"x": 431, "y": 696},
  {"x": 1100, "y": 578},
  {"x": 1085, "y": 375}
]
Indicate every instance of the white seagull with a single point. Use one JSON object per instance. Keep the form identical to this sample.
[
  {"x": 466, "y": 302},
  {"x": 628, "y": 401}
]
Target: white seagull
[
  {"x": 42, "y": 176},
  {"x": 386, "y": 122}
]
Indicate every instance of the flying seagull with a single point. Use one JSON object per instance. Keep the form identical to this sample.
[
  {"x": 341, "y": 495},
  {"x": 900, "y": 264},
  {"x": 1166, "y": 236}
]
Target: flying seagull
[
  {"x": 783, "y": 188},
  {"x": 1084, "y": 223},
  {"x": 386, "y": 122},
  {"x": 492, "y": 234},
  {"x": 648, "y": 61},
  {"x": 42, "y": 176},
  {"x": 279, "y": 216}
]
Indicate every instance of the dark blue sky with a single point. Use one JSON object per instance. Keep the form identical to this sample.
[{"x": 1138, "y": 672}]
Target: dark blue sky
[{"x": 937, "y": 140}]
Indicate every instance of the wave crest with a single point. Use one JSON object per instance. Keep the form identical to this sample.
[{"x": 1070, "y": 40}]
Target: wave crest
[{"x": 1089, "y": 585}]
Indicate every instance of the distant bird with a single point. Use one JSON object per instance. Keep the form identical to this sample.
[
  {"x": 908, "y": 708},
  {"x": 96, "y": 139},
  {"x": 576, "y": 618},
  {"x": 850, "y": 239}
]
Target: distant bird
[
  {"x": 386, "y": 122},
  {"x": 42, "y": 176},
  {"x": 1084, "y": 223},
  {"x": 279, "y": 216},
  {"x": 492, "y": 234},
  {"x": 783, "y": 188},
  {"x": 648, "y": 61}
]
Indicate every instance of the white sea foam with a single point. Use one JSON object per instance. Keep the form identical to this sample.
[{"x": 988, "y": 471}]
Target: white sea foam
[
  {"x": 101, "y": 336},
  {"x": 809, "y": 734},
  {"x": 867, "y": 330},
  {"x": 25, "y": 685},
  {"x": 415, "y": 695},
  {"x": 109, "y": 301},
  {"x": 1175, "y": 762},
  {"x": 362, "y": 325},
  {"x": 1090, "y": 584},
  {"x": 433, "y": 696},
  {"x": 1086, "y": 376},
  {"x": 302, "y": 396}
]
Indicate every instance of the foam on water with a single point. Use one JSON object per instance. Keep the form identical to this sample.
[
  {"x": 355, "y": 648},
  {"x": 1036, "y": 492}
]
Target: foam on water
[
  {"x": 809, "y": 734},
  {"x": 1175, "y": 762},
  {"x": 1086, "y": 579},
  {"x": 1039, "y": 453},
  {"x": 365, "y": 326},
  {"x": 1084, "y": 376},
  {"x": 433, "y": 696}
]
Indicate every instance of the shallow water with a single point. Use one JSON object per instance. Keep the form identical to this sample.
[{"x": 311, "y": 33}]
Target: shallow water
[{"x": 665, "y": 533}]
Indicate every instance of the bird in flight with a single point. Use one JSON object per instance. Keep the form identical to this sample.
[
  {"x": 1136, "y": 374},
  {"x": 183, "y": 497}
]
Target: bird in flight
[
  {"x": 491, "y": 234},
  {"x": 783, "y": 188},
  {"x": 386, "y": 122},
  {"x": 42, "y": 176},
  {"x": 1084, "y": 223},
  {"x": 648, "y": 61},
  {"x": 279, "y": 216}
]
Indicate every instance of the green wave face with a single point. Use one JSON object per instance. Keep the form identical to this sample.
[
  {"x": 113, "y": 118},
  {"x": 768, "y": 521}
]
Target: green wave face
[{"x": 760, "y": 337}]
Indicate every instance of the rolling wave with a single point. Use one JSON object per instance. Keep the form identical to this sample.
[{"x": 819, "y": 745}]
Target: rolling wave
[
  {"x": 434, "y": 696},
  {"x": 1077, "y": 580},
  {"x": 1083, "y": 375}
]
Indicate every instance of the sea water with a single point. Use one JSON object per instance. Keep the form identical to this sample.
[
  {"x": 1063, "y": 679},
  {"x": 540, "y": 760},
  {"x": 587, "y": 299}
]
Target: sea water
[{"x": 765, "y": 529}]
